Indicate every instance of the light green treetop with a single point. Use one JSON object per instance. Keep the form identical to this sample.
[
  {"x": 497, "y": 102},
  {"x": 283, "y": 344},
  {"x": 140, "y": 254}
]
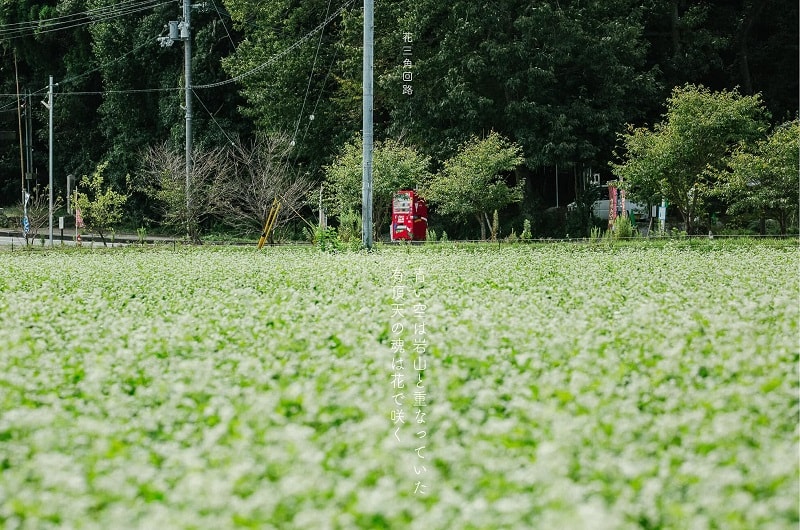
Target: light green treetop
[
  {"x": 395, "y": 166},
  {"x": 679, "y": 158},
  {"x": 472, "y": 184},
  {"x": 766, "y": 177},
  {"x": 101, "y": 206}
]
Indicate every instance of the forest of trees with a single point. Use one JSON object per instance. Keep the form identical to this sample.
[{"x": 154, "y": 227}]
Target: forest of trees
[{"x": 277, "y": 83}]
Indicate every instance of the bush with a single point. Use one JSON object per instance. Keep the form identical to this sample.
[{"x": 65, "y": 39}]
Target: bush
[
  {"x": 350, "y": 226},
  {"x": 623, "y": 227},
  {"x": 526, "y": 230}
]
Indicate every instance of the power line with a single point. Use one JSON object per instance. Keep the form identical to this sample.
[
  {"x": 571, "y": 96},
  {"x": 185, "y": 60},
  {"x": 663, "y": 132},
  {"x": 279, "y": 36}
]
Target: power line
[
  {"x": 81, "y": 76},
  {"x": 219, "y": 14},
  {"x": 98, "y": 11},
  {"x": 316, "y": 104},
  {"x": 35, "y": 27},
  {"x": 310, "y": 78},
  {"x": 248, "y": 73},
  {"x": 224, "y": 133},
  {"x": 280, "y": 54},
  {"x": 131, "y": 91}
]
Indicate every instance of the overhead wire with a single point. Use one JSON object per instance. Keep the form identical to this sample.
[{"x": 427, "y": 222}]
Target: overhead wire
[
  {"x": 280, "y": 54},
  {"x": 35, "y": 27},
  {"x": 89, "y": 12},
  {"x": 214, "y": 119},
  {"x": 132, "y": 7},
  {"x": 310, "y": 78},
  {"x": 274, "y": 58},
  {"x": 85, "y": 74},
  {"x": 219, "y": 14}
]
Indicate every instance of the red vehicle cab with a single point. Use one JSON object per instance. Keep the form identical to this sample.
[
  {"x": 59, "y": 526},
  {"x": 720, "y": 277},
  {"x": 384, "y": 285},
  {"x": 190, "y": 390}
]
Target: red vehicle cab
[{"x": 409, "y": 216}]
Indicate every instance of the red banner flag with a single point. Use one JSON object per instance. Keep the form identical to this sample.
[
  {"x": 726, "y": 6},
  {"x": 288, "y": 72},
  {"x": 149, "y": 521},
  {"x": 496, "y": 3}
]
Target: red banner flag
[
  {"x": 78, "y": 218},
  {"x": 612, "y": 204}
]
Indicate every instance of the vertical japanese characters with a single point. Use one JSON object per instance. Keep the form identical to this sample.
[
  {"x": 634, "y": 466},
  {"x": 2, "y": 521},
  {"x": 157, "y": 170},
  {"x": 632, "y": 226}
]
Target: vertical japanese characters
[
  {"x": 408, "y": 74},
  {"x": 420, "y": 364},
  {"x": 398, "y": 346},
  {"x": 407, "y": 294}
]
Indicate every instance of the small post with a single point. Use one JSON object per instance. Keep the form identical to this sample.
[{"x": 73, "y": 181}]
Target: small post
[{"x": 70, "y": 178}]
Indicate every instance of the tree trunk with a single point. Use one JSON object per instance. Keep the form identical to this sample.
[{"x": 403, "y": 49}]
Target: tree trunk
[
  {"x": 743, "y": 34},
  {"x": 782, "y": 220},
  {"x": 483, "y": 227},
  {"x": 489, "y": 224}
]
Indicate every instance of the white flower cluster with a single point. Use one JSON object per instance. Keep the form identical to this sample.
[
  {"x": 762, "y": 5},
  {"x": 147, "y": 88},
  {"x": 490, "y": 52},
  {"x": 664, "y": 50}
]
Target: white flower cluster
[{"x": 569, "y": 387}]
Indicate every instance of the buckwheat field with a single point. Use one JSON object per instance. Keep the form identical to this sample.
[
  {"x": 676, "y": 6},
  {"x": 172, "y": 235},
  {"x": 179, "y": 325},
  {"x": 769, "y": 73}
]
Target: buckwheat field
[{"x": 454, "y": 387}]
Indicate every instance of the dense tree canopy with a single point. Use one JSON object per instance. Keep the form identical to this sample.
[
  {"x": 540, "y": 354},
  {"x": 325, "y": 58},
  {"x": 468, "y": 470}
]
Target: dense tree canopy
[
  {"x": 764, "y": 177},
  {"x": 680, "y": 157},
  {"x": 559, "y": 78},
  {"x": 395, "y": 166},
  {"x": 472, "y": 184}
]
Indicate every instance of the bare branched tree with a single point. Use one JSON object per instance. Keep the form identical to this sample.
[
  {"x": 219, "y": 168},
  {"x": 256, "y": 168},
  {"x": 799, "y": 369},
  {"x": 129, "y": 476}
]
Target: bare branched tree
[
  {"x": 236, "y": 184},
  {"x": 262, "y": 173},
  {"x": 164, "y": 181},
  {"x": 39, "y": 211}
]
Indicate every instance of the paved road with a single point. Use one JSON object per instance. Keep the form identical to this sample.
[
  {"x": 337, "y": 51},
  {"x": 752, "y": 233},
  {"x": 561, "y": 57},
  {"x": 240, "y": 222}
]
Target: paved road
[
  {"x": 7, "y": 241},
  {"x": 10, "y": 237}
]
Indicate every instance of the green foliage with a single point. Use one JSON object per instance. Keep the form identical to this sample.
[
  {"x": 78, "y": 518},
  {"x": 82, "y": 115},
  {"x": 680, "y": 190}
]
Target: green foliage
[
  {"x": 679, "y": 158},
  {"x": 313, "y": 79},
  {"x": 510, "y": 66},
  {"x": 623, "y": 228},
  {"x": 764, "y": 177},
  {"x": 325, "y": 239},
  {"x": 495, "y": 225},
  {"x": 395, "y": 166},
  {"x": 580, "y": 220},
  {"x": 526, "y": 230},
  {"x": 430, "y": 235},
  {"x": 101, "y": 206},
  {"x": 472, "y": 183},
  {"x": 350, "y": 227},
  {"x": 215, "y": 388},
  {"x": 512, "y": 237}
]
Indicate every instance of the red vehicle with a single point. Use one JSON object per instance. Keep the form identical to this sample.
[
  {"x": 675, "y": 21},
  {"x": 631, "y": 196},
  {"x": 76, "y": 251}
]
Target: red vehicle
[{"x": 409, "y": 216}]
